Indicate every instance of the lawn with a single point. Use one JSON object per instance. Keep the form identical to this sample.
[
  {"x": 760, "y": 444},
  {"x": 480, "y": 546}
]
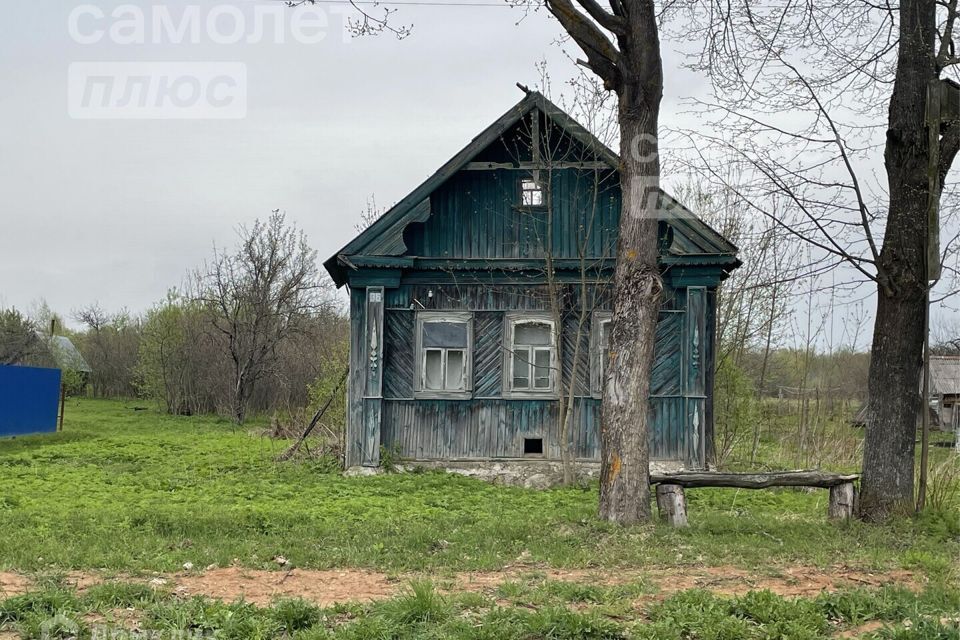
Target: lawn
[
  {"x": 124, "y": 492},
  {"x": 530, "y": 610}
]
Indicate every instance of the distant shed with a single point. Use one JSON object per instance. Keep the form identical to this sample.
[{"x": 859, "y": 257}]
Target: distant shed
[
  {"x": 66, "y": 355},
  {"x": 944, "y": 401},
  {"x": 945, "y": 391}
]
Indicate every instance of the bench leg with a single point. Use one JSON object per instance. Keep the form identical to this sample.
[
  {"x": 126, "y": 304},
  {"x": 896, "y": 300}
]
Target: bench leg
[
  {"x": 842, "y": 501},
  {"x": 672, "y": 504}
]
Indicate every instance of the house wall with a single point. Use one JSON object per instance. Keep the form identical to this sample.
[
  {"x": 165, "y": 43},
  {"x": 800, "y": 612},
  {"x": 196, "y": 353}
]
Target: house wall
[
  {"x": 475, "y": 215},
  {"x": 489, "y": 425},
  {"x": 497, "y": 252}
]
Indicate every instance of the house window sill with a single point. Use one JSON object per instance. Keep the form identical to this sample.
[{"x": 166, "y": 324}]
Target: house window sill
[{"x": 443, "y": 395}]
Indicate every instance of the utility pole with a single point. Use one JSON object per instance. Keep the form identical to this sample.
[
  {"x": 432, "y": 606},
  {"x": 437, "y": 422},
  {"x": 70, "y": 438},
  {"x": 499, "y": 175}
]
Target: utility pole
[{"x": 942, "y": 105}]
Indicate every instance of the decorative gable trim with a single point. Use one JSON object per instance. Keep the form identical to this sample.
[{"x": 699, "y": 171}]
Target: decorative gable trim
[{"x": 385, "y": 237}]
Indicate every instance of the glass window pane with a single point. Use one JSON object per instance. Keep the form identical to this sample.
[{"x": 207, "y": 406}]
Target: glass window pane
[
  {"x": 445, "y": 334},
  {"x": 455, "y": 361},
  {"x": 521, "y": 369},
  {"x": 605, "y": 334},
  {"x": 531, "y": 193},
  {"x": 433, "y": 370},
  {"x": 532, "y": 333},
  {"x": 541, "y": 369}
]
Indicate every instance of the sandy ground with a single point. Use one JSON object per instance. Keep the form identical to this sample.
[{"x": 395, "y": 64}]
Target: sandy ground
[{"x": 331, "y": 586}]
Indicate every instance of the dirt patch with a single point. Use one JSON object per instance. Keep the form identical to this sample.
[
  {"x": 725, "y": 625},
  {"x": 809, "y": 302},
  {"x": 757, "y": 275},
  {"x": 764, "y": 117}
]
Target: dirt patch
[
  {"x": 261, "y": 587},
  {"x": 354, "y": 585},
  {"x": 487, "y": 580},
  {"x": 866, "y": 627},
  {"x": 13, "y": 584},
  {"x": 126, "y": 618},
  {"x": 794, "y": 581}
]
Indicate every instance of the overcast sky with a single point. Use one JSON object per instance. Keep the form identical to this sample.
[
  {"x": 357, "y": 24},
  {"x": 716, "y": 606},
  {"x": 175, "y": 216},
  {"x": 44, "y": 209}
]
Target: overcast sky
[
  {"x": 100, "y": 206},
  {"x": 116, "y": 210}
]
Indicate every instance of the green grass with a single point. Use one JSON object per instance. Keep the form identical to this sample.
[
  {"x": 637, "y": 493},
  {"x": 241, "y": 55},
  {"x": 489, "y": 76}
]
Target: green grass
[
  {"x": 422, "y": 612},
  {"x": 128, "y": 490}
]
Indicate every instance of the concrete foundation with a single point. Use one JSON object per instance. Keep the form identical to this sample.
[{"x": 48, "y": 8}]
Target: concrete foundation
[{"x": 531, "y": 474}]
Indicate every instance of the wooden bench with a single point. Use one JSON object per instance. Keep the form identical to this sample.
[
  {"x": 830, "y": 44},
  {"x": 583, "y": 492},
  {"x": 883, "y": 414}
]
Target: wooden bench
[{"x": 672, "y": 503}]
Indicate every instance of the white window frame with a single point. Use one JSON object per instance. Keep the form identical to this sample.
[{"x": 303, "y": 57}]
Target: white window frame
[
  {"x": 512, "y": 321},
  {"x": 420, "y": 390},
  {"x": 537, "y": 188},
  {"x": 598, "y": 358}
]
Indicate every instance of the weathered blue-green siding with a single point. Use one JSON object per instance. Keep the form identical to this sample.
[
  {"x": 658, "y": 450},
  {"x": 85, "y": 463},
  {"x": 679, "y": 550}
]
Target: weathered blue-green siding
[
  {"x": 468, "y": 246},
  {"x": 490, "y": 426},
  {"x": 356, "y": 451},
  {"x": 475, "y": 216}
]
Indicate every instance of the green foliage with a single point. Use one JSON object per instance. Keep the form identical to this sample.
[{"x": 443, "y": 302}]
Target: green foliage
[
  {"x": 560, "y": 623},
  {"x": 421, "y": 612},
  {"x": 295, "y": 614},
  {"x": 762, "y": 615},
  {"x": 46, "y": 603},
  {"x": 171, "y": 363},
  {"x": 328, "y": 385},
  {"x": 140, "y": 490},
  {"x": 235, "y": 620},
  {"x": 921, "y": 629},
  {"x": 736, "y": 409},
  {"x": 19, "y": 342},
  {"x": 390, "y": 458},
  {"x": 107, "y": 595},
  {"x": 110, "y": 345},
  {"x": 420, "y": 604},
  {"x": 74, "y": 382},
  {"x": 943, "y": 491}
]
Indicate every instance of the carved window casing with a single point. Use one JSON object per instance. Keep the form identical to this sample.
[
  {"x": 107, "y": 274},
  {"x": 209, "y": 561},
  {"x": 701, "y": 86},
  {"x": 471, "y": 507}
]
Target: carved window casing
[
  {"x": 531, "y": 360},
  {"x": 444, "y": 355}
]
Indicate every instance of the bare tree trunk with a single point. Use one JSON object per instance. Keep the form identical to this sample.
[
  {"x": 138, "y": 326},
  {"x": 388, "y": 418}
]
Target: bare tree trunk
[
  {"x": 625, "y": 454},
  {"x": 556, "y": 294},
  {"x": 633, "y": 69},
  {"x": 894, "y": 379},
  {"x": 888, "y": 465}
]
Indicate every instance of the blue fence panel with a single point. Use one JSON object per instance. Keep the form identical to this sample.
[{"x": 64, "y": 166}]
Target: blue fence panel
[{"x": 29, "y": 400}]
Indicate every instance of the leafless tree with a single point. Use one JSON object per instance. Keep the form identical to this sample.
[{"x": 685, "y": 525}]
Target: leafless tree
[
  {"x": 572, "y": 303},
  {"x": 946, "y": 338},
  {"x": 370, "y": 214},
  {"x": 257, "y": 297},
  {"x": 753, "y": 303},
  {"x": 110, "y": 344},
  {"x": 808, "y": 93}
]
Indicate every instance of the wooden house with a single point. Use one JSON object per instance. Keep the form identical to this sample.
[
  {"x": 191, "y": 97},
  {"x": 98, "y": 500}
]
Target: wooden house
[{"x": 480, "y": 303}]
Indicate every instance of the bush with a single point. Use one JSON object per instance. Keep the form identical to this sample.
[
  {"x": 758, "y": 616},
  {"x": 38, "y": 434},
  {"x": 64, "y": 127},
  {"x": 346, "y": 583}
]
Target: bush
[{"x": 736, "y": 409}]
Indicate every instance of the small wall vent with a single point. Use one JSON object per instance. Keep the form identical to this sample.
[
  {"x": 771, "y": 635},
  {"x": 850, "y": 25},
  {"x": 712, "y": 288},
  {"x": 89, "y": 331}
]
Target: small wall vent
[{"x": 533, "y": 446}]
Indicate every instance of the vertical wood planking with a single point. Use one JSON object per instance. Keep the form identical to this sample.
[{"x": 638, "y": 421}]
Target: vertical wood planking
[
  {"x": 695, "y": 376},
  {"x": 485, "y": 428},
  {"x": 399, "y": 367},
  {"x": 356, "y": 380},
  {"x": 709, "y": 454},
  {"x": 373, "y": 393}
]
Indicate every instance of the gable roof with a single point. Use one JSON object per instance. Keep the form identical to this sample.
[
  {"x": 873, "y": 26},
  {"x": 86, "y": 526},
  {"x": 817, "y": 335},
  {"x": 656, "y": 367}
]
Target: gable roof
[
  {"x": 66, "y": 355},
  {"x": 944, "y": 375},
  {"x": 385, "y": 236}
]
